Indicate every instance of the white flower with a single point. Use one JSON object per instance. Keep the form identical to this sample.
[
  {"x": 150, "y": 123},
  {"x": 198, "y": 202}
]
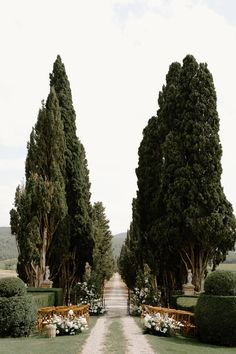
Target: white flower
[{"x": 70, "y": 312}]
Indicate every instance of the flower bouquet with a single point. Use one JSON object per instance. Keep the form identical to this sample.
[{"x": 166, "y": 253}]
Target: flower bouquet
[
  {"x": 160, "y": 324},
  {"x": 69, "y": 325}
]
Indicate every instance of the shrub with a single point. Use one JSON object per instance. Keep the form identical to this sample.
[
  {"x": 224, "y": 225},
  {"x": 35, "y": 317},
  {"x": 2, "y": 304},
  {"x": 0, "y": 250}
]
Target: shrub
[
  {"x": 220, "y": 282},
  {"x": 17, "y": 310},
  {"x": 215, "y": 317},
  {"x": 12, "y": 287},
  {"x": 17, "y": 316}
]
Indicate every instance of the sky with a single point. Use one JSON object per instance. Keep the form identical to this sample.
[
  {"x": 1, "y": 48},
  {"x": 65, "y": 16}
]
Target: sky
[{"x": 116, "y": 54}]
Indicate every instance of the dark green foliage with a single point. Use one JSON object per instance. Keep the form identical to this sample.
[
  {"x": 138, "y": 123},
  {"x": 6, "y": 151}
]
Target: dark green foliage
[
  {"x": 58, "y": 297},
  {"x": 12, "y": 286},
  {"x": 17, "y": 316},
  {"x": 17, "y": 310},
  {"x": 132, "y": 253},
  {"x": 75, "y": 243},
  {"x": 52, "y": 219},
  {"x": 220, "y": 282},
  {"x": 43, "y": 299},
  {"x": 215, "y": 317},
  {"x": 127, "y": 262},
  {"x": 183, "y": 219},
  {"x": 40, "y": 204},
  {"x": 102, "y": 254}
]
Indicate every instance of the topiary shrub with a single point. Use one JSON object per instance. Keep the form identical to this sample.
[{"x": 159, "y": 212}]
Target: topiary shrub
[
  {"x": 17, "y": 310},
  {"x": 220, "y": 282},
  {"x": 215, "y": 313},
  {"x": 215, "y": 317},
  {"x": 12, "y": 287}
]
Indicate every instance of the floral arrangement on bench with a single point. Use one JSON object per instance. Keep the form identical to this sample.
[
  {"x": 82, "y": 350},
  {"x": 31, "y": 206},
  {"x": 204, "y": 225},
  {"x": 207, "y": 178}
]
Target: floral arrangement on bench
[
  {"x": 166, "y": 321},
  {"x": 65, "y": 324},
  {"x": 69, "y": 325},
  {"x": 160, "y": 324},
  {"x": 63, "y": 319}
]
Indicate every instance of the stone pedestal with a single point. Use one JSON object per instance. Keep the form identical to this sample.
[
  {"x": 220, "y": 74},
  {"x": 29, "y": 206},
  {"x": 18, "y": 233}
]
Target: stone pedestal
[
  {"x": 46, "y": 284},
  {"x": 188, "y": 289}
]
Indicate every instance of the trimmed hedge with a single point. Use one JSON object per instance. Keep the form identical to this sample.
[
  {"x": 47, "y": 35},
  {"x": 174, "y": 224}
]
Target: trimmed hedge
[
  {"x": 184, "y": 302},
  {"x": 43, "y": 299},
  {"x": 12, "y": 286},
  {"x": 215, "y": 317},
  {"x": 57, "y": 293},
  {"x": 220, "y": 282}
]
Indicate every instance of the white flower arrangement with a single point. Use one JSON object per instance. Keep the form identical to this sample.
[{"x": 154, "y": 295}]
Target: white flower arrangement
[
  {"x": 89, "y": 296},
  {"x": 69, "y": 325},
  {"x": 144, "y": 295},
  {"x": 160, "y": 324}
]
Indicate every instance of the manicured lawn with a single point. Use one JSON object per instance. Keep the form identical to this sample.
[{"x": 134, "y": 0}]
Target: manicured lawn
[
  {"x": 115, "y": 342},
  {"x": 39, "y": 344},
  {"x": 227, "y": 266},
  {"x": 182, "y": 345}
]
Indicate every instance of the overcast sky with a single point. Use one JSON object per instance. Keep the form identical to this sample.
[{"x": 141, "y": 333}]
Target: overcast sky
[{"x": 116, "y": 54}]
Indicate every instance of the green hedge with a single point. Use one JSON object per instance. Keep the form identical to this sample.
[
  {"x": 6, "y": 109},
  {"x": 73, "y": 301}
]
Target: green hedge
[
  {"x": 57, "y": 293},
  {"x": 43, "y": 300},
  {"x": 184, "y": 302},
  {"x": 17, "y": 316},
  {"x": 215, "y": 317},
  {"x": 12, "y": 286},
  {"x": 220, "y": 282}
]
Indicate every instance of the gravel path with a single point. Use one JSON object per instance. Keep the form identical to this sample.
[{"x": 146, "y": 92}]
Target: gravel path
[{"x": 115, "y": 295}]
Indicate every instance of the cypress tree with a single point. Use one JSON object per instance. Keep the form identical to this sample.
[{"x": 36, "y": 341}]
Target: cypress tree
[
  {"x": 150, "y": 207},
  {"x": 75, "y": 233},
  {"x": 40, "y": 204},
  {"x": 185, "y": 220},
  {"x": 201, "y": 224},
  {"x": 103, "y": 261}
]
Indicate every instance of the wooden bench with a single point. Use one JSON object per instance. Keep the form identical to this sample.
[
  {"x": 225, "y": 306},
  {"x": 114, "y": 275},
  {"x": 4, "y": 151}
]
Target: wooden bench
[
  {"x": 46, "y": 313},
  {"x": 186, "y": 318}
]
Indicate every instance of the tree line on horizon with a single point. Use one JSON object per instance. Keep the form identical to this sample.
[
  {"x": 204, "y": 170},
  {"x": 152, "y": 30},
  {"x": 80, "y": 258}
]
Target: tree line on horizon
[
  {"x": 53, "y": 220},
  {"x": 181, "y": 218}
]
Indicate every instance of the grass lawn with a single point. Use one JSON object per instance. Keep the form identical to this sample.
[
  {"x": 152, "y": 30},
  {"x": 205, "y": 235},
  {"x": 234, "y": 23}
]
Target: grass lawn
[
  {"x": 227, "y": 266},
  {"x": 39, "y": 344},
  {"x": 183, "y": 345},
  {"x": 115, "y": 341}
]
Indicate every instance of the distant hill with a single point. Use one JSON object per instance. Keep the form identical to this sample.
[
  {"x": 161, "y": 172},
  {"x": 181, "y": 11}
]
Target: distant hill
[
  {"x": 8, "y": 247},
  {"x": 117, "y": 242}
]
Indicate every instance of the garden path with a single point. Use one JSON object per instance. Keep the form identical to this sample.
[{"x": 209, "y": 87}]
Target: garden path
[{"x": 115, "y": 294}]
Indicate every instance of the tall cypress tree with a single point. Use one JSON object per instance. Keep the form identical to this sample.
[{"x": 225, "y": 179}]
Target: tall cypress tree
[
  {"x": 75, "y": 233},
  {"x": 201, "y": 224},
  {"x": 150, "y": 194},
  {"x": 40, "y": 204},
  {"x": 188, "y": 221},
  {"x": 103, "y": 260}
]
